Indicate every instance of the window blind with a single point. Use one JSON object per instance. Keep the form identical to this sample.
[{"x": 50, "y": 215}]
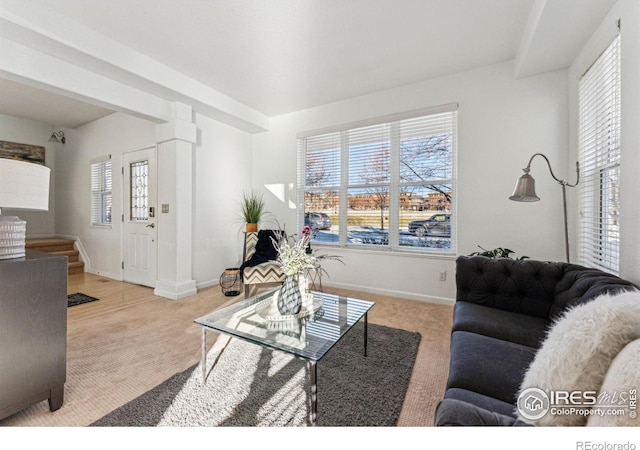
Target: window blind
[
  {"x": 379, "y": 181},
  {"x": 425, "y": 148},
  {"x": 599, "y": 155},
  {"x": 369, "y": 156},
  {"x": 101, "y": 187},
  {"x": 320, "y": 158}
]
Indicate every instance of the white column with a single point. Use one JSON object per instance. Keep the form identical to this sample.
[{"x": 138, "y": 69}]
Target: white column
[{"x": 175, "y": 140}]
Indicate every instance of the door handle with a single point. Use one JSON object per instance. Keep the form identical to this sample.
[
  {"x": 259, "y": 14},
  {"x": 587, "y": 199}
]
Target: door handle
[{"x": 151, "y": 225}]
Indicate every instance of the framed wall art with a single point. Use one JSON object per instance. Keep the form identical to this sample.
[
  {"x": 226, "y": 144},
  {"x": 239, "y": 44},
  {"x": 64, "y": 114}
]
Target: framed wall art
[{"x": 22, "y": 152}]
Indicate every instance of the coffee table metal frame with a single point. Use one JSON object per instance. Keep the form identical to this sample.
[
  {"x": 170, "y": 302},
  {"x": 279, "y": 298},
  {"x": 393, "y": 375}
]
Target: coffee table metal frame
[{"x": 309, "y": 338}]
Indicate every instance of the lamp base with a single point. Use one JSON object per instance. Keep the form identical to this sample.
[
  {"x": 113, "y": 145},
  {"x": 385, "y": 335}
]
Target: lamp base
[{"x": 13, "y": 231}]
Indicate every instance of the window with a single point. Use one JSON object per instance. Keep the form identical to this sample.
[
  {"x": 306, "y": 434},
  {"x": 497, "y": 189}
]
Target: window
[
  {"x": 382, "y": 184},
  {"x": 599, "y": 156},
  {"x": 101, "y": 186},
  {"x": 139, "y": 195}
]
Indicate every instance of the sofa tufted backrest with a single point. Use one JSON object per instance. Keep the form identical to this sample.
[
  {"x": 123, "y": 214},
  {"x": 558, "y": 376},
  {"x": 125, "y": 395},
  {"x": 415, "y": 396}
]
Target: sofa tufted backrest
[
  {"x": 581, "y": 284},
  {"x": 537, "y": 288},
  {"x": 526, "y": 287}
]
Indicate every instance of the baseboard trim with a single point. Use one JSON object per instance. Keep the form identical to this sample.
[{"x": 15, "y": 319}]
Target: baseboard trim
[
  {"x": 175, "y": 291},
  {"x": 391, "y": 293},
  {"x": 370, "y": 290},
  {"x": 207, "y": 284},
  {"x": 113, "y": 276}
]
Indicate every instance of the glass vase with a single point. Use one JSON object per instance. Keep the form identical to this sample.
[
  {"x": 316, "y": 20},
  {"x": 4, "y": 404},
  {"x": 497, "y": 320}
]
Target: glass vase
[{"x": 289, "y": 296}]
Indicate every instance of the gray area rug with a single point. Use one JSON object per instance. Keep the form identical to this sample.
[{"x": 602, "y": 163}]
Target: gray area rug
[{"x": 248, "y": 385}]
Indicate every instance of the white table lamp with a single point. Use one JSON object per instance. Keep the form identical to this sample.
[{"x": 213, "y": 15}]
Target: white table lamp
[{"x": 23, "y": 185}]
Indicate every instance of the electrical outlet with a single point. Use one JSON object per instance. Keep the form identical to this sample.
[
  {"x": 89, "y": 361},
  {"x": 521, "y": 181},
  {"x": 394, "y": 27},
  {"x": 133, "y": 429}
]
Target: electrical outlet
[{"x": 443, "y": 276}]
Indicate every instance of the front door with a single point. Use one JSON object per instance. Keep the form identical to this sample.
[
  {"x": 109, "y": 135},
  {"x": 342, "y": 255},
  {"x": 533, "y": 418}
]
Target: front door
[{"x": 139, "y": 227}]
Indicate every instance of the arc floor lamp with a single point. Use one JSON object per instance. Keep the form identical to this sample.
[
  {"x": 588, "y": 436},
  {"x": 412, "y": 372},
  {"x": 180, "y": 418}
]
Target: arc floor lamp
[{"x": 525, "y": 191}]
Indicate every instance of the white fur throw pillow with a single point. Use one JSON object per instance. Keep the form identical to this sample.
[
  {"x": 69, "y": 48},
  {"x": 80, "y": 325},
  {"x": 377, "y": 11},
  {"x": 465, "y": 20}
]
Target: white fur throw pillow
[
  {"x": 621, "y": 386},
  {"x": 579, "y": 349}
]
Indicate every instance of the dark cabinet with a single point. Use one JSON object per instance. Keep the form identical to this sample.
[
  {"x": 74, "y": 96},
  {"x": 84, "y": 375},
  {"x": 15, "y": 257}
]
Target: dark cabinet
[{"x": 33, "y": 331}]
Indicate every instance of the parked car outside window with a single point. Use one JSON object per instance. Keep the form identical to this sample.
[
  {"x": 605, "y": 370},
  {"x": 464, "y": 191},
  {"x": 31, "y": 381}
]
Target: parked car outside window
[
  {"x": 317, "y": 220},
  {"x": 436, "y": 225}
]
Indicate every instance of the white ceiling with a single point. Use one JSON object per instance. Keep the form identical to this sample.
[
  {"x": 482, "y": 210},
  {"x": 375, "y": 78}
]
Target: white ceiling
[
  {"x": 279, "y": 56},
  {"x": 20, "y": 100}
]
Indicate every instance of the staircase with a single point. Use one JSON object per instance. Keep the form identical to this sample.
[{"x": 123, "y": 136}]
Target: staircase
[{"x": 64, "y": 247}]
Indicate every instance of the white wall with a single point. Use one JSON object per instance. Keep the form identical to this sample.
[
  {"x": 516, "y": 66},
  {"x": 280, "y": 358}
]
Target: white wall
[
  {"x": 628, "y": 11},
  {"x": 23, "y": 131},
  {"x": 502, "y": 122},
  {"x": 115, "y": 134},
  {"x": 221, "y": 170}
]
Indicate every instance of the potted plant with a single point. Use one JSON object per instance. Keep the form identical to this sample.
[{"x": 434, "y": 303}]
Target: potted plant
[
  {"x": 498, "y": 253},
  {"x": 252, "y": 209}
]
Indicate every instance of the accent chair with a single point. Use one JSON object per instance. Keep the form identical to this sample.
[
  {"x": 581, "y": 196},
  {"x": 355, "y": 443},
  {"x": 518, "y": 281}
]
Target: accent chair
[{"x": 259, "y": 265}]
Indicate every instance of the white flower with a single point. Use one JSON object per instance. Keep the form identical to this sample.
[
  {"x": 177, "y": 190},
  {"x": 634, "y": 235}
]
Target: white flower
[{"x": 293, "y": 257}]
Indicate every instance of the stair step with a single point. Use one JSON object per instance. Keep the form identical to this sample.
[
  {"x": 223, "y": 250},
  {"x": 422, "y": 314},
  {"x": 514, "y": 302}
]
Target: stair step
[
  {"x": 72, "y": 255},
  {"x": 63, "y": 247},
  {"x": 50, "y": 245},
  {"x": 75, "y": 267}
]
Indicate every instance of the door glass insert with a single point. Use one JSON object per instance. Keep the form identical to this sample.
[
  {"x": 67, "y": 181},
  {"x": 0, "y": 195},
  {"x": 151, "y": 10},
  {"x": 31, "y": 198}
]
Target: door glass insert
[{"x": 139, "y": 173}]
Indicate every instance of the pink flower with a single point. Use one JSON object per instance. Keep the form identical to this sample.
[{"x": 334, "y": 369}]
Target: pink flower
[{"x": 306, "y": 231}]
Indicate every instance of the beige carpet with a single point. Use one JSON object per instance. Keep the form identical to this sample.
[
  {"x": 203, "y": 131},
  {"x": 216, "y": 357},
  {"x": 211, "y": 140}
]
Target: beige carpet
[{"x": 130, "y": 341}]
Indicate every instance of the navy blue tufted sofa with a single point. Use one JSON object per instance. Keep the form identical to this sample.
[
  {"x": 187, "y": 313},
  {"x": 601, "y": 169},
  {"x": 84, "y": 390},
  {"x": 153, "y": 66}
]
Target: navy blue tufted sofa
[{"x": 502, "y": 312}]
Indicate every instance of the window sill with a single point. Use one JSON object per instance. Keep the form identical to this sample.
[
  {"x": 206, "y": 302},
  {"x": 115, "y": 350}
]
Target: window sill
[{"x": 375, "y": 250}]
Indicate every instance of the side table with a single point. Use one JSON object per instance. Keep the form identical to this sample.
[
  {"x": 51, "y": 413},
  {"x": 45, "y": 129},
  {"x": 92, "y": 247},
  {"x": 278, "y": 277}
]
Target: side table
[{"x": 314, "y": 278}]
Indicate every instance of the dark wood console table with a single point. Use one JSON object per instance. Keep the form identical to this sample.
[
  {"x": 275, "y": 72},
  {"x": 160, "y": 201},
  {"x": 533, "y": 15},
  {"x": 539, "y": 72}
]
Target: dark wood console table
[{"x": 33, "y": 331}]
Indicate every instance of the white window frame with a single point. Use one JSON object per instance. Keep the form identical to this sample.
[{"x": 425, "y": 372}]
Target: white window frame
[
  {"x": 599, "y": 120},
  {"x": 101, "y": 191},
  {"x": 394, "y": 184}
]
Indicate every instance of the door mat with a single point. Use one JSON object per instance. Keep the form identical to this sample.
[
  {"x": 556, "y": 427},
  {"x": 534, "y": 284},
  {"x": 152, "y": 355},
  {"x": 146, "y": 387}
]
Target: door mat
[{"x": 79, "y": 298}]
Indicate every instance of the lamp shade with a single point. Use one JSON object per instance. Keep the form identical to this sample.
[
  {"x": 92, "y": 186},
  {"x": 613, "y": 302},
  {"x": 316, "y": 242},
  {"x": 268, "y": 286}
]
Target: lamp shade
[
  {"x": 525, "y": 190},
  {"x": 24, "y": 185}
]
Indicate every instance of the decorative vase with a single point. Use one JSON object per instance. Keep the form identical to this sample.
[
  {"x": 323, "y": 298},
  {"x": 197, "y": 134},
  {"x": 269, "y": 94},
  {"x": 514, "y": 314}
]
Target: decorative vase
[
  {"x": 289, "y": 297},
  {"x": 251, "y": 227}
]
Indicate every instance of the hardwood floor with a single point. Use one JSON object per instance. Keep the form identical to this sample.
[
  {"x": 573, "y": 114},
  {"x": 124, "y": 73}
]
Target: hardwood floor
[{"x": 129, "y": 341}]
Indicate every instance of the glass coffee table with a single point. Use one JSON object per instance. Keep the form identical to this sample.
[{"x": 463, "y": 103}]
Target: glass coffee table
[{"x": 324, "y": 319}]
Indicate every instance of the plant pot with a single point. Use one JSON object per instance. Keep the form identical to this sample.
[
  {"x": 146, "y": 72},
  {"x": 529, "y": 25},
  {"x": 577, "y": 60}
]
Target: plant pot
[{"x": 252, "y": 227}]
